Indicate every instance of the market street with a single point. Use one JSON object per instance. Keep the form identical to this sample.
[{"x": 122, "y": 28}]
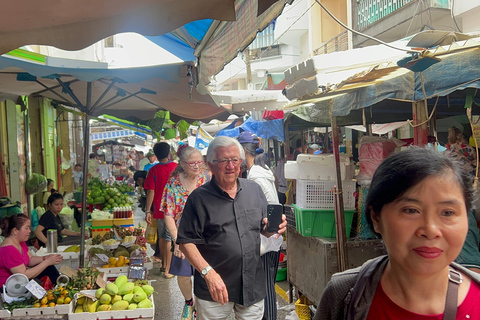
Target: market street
[{"x": 169, "y": 301}]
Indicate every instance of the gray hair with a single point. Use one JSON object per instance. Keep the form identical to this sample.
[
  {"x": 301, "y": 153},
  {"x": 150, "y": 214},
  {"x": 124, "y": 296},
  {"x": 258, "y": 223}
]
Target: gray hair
[
  {"x": 222, "y": 141},
  {"x": 184, "y": 155}
]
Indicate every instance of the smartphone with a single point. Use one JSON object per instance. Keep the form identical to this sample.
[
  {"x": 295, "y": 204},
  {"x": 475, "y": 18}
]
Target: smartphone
[{"x": 274, "y": 215}]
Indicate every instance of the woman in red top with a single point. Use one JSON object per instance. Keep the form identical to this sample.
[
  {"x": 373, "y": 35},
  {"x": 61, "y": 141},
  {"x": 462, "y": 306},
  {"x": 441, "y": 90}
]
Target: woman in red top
[
  {"x": 417, "y": 202},
  {"x": 15, "y": 257}
]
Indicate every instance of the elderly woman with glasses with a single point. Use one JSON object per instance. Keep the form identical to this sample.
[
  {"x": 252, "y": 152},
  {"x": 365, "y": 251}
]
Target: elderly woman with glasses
[{"x": 188, "y": 175}]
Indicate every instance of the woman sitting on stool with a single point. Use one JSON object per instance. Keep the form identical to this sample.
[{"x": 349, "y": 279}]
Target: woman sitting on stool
[{"x": 15, "y": 255}]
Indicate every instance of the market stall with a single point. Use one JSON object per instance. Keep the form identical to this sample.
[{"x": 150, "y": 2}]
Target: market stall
[{"x": 382, "y": 94}]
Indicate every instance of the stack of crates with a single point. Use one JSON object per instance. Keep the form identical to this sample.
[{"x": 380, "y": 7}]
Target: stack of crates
[
  {"x": 314, "y": 208},
  {"x": 101, "y": 226}
]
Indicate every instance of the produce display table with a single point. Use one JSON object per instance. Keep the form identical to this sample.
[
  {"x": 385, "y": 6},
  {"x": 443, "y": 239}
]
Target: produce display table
[{"x": 312, "y": 261}]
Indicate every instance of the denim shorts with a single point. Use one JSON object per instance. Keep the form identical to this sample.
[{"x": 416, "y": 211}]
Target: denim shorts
[{"x": 162, "y": 230}]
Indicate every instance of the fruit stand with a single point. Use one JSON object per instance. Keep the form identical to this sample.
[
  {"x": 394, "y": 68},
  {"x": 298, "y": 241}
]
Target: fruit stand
[{"x": 87, "y": 296}]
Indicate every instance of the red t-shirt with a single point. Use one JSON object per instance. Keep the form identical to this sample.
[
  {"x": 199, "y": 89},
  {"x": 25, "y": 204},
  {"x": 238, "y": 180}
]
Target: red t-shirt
[
  {"x": 383, "y": 308},
  {"x": 12, "y": 258},
  {"x": 156, "y": 180}
]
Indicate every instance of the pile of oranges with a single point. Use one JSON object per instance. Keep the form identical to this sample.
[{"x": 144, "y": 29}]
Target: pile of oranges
[
  {"x": 117, "y": 262},
  {"x": 54, "y": 297}
]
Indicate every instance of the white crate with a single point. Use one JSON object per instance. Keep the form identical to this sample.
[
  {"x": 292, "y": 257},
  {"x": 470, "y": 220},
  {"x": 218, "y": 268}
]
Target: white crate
[{"x": 317, "y": 194}]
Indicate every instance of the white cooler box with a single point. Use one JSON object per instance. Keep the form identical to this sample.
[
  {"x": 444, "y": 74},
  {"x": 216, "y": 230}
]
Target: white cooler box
[{"x": 318, "y": 167}]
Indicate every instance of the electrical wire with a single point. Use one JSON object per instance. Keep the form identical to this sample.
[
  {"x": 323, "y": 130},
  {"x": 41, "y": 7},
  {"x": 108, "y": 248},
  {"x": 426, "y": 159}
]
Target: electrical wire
[
  {"x": 360, "y": 33},
  {"x": 453, "y": 17}
]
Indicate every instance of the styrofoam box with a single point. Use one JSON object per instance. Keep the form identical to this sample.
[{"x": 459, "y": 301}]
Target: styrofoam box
[
  {"x": 62, "y": 309},
  {"x": 70, "y": 259},
  {"x": 316, "y": 194},
  {"x": 145, "y": 314},
  {"x": 322, "y": 159},
  {"x": 317, "y": 171}
]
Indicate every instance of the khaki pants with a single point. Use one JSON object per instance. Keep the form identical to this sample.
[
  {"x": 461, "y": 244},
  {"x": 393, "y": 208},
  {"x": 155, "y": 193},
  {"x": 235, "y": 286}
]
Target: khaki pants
[{"x": 211, "y": 310}]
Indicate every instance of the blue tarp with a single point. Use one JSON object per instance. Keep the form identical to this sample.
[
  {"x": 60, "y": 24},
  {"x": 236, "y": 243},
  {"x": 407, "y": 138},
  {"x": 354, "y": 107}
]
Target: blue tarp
[
  {"x": 456, "y": 71},
  {"x": 271, "y": 129},
  {"x": 175, "y": 43}
]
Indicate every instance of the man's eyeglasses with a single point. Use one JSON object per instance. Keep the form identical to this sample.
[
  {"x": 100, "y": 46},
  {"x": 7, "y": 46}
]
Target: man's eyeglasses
[
  {"x": 235, "y": 161},
  {"x": 194, "y": 163}
]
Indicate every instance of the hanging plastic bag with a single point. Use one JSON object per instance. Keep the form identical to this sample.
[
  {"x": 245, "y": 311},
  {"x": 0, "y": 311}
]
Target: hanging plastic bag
[
  {"x": 270, "y": 244},
  {"x": 46, "y": 283},
  {"x": 152, "y": 232}
]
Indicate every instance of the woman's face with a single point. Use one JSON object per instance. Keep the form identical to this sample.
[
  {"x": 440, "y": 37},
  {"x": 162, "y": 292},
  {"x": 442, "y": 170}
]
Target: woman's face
[
  {"x": 424, "y": 229},
  {"x": 50, "y": 186},
  {"x": 24, "y": 232},
  {"x": 56, "y": 206},
  {"x": 193, "y": 165}
]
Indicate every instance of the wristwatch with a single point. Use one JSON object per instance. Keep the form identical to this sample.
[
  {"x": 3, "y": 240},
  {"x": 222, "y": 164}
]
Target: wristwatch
[{"x": 205, "y": 271}]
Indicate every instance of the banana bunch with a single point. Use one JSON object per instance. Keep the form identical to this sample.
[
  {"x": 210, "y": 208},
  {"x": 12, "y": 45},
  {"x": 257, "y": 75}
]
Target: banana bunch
[{"x": 73, "y": 248}]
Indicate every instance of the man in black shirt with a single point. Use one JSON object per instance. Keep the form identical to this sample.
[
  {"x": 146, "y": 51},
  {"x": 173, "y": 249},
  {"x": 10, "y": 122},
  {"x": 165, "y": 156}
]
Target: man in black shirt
[{"x": 219, "y": 233}]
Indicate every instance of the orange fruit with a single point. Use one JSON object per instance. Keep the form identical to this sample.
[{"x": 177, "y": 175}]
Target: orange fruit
[
  {"x": 64, "y": 292},
  {"x": 120, "y": 263},
  {"x": 51, "y": 304},
  {"x": 44, "y": 300},
  {"x": 37, "y": 305},
  {"x": 106, "y": 266},
  {"x": 43, "y": 306},
  {"x": 60, "y": 300},
  {"x": 67, "y": 300}
]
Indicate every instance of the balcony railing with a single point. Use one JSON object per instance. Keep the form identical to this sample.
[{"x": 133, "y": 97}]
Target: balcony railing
[
  {"x": 369, "y": 11},
  {"x": 264, "y": 38},
  {"x": 337, "y": 43}
]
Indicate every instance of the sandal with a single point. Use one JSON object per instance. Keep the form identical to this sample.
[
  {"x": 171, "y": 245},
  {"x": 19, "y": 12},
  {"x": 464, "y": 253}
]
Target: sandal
[{"x": 168, "y": 276}]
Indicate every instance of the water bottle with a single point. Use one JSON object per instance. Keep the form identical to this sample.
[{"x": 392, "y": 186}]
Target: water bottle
[{"x": 52, "y": 239}]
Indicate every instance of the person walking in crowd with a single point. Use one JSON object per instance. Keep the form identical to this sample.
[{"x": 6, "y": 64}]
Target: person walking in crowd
[
  {"x": 280, "y": 181},
  {"x": 77, "y": 176},
  {"x": 219, "y": 234},
  {"x": 259, "y": 172},
  {"x": 140, "y": 157},
  {"x": 48, "y": 193},
  {"x": 51, "y": 220},
  {"x": 298, "y": 149},
  {"x": 459, "y": 150},
  {"x": 417, "y": 202},
  {"x": 152, "y": 160},
  {"x": 187, "y": 177},
  {"x": 154, "y": 185},
  {"x": 15, "y": 255}
]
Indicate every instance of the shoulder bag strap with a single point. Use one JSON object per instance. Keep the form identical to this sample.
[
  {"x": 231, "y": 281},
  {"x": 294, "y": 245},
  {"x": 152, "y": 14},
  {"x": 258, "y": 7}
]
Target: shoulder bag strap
[{"x": 454, "y": 280}]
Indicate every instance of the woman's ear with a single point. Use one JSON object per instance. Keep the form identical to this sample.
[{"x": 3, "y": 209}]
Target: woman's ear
[{"x": 375, "y": 220}]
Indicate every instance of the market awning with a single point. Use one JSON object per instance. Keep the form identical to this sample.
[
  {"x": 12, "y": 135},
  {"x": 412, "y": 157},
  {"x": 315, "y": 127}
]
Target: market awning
[
  {"x": 243, "y": 101},
  {"x": 74, "y": 26},
  {"x": 123, "y": 93},
  {"x": 386, "y": 88}
]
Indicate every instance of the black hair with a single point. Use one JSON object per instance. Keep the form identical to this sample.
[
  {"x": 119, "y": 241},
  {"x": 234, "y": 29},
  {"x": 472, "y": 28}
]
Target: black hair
[
  {"x": 78, "y": 165},
  {"x": 53, "y": 197},
  {"x": 161, "y": 150},
  {"x": 299, "y": 143},
  {"x": 139, "y": 174},
  {"x": 9, "y": 223},
  {"x": 404, "y": 170},
  {"x": 255, "y": 150},
  {"x": 92, "y": 156}
]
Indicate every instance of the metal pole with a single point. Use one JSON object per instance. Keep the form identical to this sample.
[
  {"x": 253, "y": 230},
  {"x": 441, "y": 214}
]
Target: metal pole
[
  {"x": 339, "y": 209},
  {"x": 86, "y": 147}
]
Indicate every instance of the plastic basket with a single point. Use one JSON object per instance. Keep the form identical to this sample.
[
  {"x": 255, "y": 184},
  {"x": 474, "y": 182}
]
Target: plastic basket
[
  {"x": 318, "y": 194},
  {"x": 320, "y": 223},
  {"x": 301, "y": 308}
]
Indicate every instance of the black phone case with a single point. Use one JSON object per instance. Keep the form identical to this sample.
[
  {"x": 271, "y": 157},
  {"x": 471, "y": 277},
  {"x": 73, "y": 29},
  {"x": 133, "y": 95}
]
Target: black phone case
[{"x": 274, "y": 215}]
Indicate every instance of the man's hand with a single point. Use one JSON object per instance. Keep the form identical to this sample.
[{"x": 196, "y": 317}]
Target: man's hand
[
  {"x": 148, "y": 218},
  {"x": 177, "y": 253},
  {"x": 281, "y": 228},
  {"x": 217, "y": 287}
]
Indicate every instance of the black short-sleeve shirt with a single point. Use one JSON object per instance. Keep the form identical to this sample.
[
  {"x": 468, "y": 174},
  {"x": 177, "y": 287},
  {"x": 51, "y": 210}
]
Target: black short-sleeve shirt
[
  {"x": 50, "y": 221},
  {"x": 226, "y": 232}
]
